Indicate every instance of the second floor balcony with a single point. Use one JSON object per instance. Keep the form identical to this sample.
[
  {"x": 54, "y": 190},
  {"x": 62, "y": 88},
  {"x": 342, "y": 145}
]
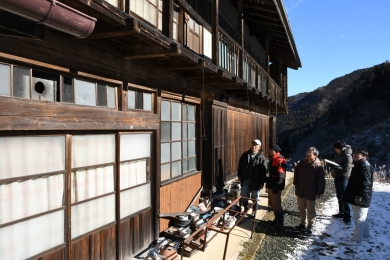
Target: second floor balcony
[{"x": 206, "y": 41}]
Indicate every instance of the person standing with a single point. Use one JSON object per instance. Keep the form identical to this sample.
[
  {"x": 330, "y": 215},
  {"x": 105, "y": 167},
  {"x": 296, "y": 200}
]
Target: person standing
[
  {"x": 275, "y": 183},
  {"x": 343, "y": 157},
  {"x": 251, "y": 171},
  {"x": 359, "y": 193},
  {"x": 309, "y": 181}
]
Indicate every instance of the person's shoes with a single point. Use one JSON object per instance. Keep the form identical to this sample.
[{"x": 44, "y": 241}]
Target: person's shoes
[
  {"x": 301, "y": 227},
  {"x": 350, "y": 242},
  {"x": 338, "y": 215},
  {"x": 308, "y": 231},
  {"x": 347, "y": 220}
]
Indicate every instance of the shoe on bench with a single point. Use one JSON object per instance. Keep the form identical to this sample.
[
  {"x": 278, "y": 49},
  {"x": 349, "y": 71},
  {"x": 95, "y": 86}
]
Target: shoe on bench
[{"x": 301, "y": 227}]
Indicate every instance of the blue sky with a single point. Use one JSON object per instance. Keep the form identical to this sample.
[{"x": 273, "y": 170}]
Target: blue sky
[{"x": 336, "y": 37}]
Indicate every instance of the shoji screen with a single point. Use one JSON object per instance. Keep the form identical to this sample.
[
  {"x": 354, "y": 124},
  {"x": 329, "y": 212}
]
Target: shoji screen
[
  {"x": 134, "y": 173},
  {"x": 32, "y": 213},
  {"x": 93, "y": 194}
]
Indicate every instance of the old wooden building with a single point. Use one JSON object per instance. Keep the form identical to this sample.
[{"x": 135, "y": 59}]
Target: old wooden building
[{"x": 112, "y": 112}]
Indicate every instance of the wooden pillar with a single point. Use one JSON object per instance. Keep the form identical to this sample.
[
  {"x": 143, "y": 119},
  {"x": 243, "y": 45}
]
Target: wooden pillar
[
  {"x": 67, "y": 200},
  {"x": 241, "y": 38},
  {"x": 167, "y": 18},
  {"x": 267, "y": 51},
  {"x": 214, "y": 25},
  {"x": 122, "y": 96}
]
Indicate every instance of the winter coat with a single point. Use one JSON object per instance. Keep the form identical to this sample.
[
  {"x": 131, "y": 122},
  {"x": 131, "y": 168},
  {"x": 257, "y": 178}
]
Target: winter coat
[
  {"x": 277, "y": 172},
  {"x": 360, "y": 184},
  {"x": 256, "y": 172},
  {"x": 309, "y": 179},
  {"x": 344, "y": 159}
]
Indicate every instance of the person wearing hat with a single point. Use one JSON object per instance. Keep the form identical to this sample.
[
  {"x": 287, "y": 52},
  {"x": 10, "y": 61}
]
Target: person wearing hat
[
  {"x": 251, "y": 171},
  {"x": 275, "y": 183}
]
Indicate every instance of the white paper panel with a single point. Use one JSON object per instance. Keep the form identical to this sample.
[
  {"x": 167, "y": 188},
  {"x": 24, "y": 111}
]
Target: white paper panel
[
  {"x": 31, "y": 237},
  {"x": 85, "y": 93},
  {"x": 147, "y": 102},
  {"x": 165, "y": 171},
  {"x": 23, "y": 199},
  {"x": 92, "y": 149},
  {"x": 23, "y": 156},
  {"x": 207, "y": 43},
  {"x": 93, "y": 214},
  {"x": 134, "y": 146},
  {"x": 111, "y": 97},
  {"x": 134, "y": 200},
  {"x": 92, "y": 183},
  {"x": 133, "y": 173}
]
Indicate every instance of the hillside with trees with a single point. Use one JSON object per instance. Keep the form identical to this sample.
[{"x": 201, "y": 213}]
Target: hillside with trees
[{"x": 353, "y": 108}]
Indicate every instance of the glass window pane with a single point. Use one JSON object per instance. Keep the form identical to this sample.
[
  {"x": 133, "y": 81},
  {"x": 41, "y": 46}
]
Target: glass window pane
[
  {"x": 176, "y": 169},
  {"x": 102, "y": 95},
  {"x": 184, "y": 126},
  {"x": 111, "y": 97},
  {"x": 85, "y": 93},
  {"x": 48, "y": 228},
  {"x": 139, "y": 100},
  {"x": 147, "y": 102},
  {"x": 176, "y": 111},
  {"x": 185, "y": 165},
  {"x": 165, "y": 110},
  {"x": 176, "y": 131},
  {"x": 98, "y": 212},
  {"x": 34, "y": 150},
  {"x": 165, "y": 153},
  {"x": 165, "y": 131},
  {"x": 185, "y": 149},
  {"x": 192, "y": 164},
  {"x": 135, "y": 200},
  {"x": 129, "y": 141},
  {"x": 5, "y": 76},
  {"x": 21, "y": 82},
  {"x": 191, "y": 148},
  {"x": 92, "y": 149},
  {"x": 131, "y": 99},
  {"x": 165, "y": 172},
  {"x": 191, "y": 131},
  {"x": 184, "y": 112},
  {"x": 176, "y": 151},
  {"x": 191, "y": 113},
  {"x": 67, "y": 90}
]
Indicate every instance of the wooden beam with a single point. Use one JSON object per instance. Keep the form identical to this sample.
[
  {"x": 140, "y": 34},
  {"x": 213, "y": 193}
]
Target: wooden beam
[
  {"x": 147, "y": 52},
  {"x": 214, "y": 24}
]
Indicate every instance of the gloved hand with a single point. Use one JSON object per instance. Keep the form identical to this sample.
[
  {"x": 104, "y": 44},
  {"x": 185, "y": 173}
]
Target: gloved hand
[
  {"x": 274, "y": 190},
  {"x": 358, "y": 200}
]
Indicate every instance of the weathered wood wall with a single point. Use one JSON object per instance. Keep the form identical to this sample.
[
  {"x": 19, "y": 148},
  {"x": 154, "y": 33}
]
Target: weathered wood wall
[{"x": 176, "y": 197}]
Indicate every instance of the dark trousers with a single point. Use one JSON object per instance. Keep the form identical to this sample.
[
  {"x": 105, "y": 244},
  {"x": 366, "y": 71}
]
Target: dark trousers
[{"x": 344, "y": 207}]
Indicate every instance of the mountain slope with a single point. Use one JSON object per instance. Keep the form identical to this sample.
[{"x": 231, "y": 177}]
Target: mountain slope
[{"x": 353, "y": 108}]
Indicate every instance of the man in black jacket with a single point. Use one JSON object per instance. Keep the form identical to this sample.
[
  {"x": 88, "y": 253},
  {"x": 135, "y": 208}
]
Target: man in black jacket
[
  {"x": 251, "y": 171},
  {"x": 359, "y": 193}
]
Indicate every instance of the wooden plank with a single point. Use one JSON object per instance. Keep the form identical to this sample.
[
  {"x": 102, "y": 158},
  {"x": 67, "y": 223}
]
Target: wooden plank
[
  {"x": 24, "y": 114},
  {"x": 56, "y": 255},
  {"x": 147, "y": 52},
  {"x": 80, "y": 248},
  {"x": 125, "y": 239},
  {"x": 94, "y": 244},
  {"x": 108, "y": 243}
]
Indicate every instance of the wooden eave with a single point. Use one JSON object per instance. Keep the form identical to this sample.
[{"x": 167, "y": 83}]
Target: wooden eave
[
  {"x": 136, "y": 40},
  {"x": 267, "y": 18}
]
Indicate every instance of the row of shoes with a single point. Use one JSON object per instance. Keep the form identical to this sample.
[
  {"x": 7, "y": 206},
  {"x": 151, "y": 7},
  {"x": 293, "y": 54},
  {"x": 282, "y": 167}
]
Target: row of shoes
[{"x": 303, "y": 229}]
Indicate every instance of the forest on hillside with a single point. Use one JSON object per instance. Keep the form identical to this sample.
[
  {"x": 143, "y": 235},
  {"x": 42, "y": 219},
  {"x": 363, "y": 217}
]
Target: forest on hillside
[{"x": 353, "y": 108}]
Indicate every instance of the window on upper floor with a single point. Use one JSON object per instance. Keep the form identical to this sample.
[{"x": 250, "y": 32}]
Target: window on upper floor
[
  {"x": 139, "y": 100},
  {"x": 178, "y": 142},
  {"x": 149, "y": 10},
  {"x": 21, "y": 82}
]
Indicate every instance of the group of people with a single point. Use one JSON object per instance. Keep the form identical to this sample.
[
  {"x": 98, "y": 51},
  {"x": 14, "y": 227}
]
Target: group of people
[{"x": 353, "y": 180}]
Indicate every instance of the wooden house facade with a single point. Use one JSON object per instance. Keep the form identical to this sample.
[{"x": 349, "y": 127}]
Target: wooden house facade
[{"x": 115, "y": 111}]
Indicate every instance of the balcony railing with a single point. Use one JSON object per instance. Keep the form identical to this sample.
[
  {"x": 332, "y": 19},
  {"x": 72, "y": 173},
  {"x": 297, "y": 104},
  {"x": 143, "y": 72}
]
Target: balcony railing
[{"x": 229, "y": 53}]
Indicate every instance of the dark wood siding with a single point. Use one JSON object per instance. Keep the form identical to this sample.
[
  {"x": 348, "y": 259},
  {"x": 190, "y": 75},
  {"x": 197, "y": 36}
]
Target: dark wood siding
[{"x": 136, "y": 233}]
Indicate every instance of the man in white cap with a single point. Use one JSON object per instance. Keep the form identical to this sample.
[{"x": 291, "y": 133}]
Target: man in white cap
[{"x": 251, "y": 171}]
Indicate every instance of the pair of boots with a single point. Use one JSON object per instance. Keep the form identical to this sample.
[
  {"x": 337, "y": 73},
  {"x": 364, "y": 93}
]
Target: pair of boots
[{"x": 278, "y": 222}]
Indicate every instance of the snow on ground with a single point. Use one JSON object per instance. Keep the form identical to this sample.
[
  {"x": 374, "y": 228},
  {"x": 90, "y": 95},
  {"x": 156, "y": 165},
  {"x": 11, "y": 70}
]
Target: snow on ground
[{"x": 330, "y": 235}]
